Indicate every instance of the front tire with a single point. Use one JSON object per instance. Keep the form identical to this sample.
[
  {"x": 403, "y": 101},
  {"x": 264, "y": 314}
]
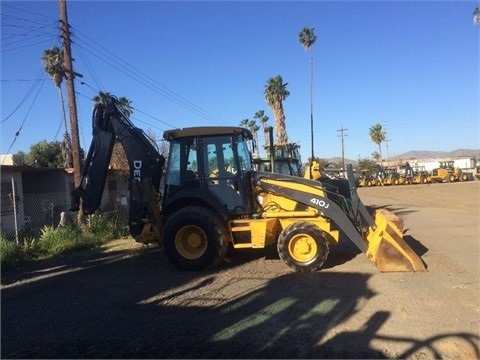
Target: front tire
[
  {"x": 195, "y": 239},
  {"x": 303, "y": 246}
]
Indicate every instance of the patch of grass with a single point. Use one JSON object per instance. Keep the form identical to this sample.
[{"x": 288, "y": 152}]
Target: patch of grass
[{"x": 56, "y": 241}]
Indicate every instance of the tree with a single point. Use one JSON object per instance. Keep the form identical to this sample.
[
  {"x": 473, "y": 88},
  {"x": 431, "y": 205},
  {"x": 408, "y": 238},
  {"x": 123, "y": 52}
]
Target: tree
[
  {"x": 307, "y": 38},
  {"x": 260, "y": 115},
  {"x": 378, "y": 135},
  {"x": 123, "y": 103},
  {"x": 45, "y": 154},
  {"x": 244, "y": 123},
  {"x": 476, "y": 16},
  {"x": 54, "y": 66},
  {"x": 367, "y": 165},
  {"x": 276, "y": 92},
  {"x": 253, "y": 127}
]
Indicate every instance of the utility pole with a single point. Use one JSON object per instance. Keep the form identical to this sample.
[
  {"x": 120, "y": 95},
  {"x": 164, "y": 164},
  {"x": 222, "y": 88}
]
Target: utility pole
[
  {"x": 72, "y": 104},
  {"x": 342, "y": 135},
  {"x": 386, "y": 139}
]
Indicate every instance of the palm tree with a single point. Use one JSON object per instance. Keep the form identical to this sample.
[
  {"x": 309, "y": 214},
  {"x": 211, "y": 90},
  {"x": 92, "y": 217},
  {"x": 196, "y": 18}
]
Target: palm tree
[
  {"x": 53, "y": 64},
  {"x": 378, "y": 135},
  {"x": 253, "y": 127},
  {"x": 476, "y": 16},
  {"x": 307, "y": 38},
  {"x": 123, "y": 103},
  {"x": 260, "y": 115},
  {"x": 276, "y": 92},
  {"x": 101, "y": 98},
  {"x": 244, "y": 123}
]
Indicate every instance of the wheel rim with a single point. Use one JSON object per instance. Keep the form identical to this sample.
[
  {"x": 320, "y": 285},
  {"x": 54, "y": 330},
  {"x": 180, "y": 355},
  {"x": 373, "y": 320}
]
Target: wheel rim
[
  {"x": 302, "y": 248},
  {"x": 191, "y": 242}
]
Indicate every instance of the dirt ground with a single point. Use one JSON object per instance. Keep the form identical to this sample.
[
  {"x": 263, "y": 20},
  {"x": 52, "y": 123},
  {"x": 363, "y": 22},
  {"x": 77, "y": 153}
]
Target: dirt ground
[{"x": 127, "y": 302}]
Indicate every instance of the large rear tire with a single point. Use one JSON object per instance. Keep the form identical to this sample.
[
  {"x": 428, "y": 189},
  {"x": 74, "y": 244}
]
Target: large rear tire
[
  {"x": 195, "y": 239},
  {"x": 303, "y": 246}
]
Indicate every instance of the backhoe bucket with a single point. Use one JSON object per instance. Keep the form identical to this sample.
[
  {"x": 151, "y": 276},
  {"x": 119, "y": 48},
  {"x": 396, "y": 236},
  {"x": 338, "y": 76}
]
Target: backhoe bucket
[{"x": 386, "y": 247}]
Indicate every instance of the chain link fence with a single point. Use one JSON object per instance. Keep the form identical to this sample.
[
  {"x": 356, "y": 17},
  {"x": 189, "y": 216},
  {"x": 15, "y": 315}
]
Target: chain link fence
[{"x": 36, "y": 210}]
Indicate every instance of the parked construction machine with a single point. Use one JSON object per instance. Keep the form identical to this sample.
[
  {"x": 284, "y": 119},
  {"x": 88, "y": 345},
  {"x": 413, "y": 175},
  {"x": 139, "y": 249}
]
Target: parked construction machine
[
  {"x": 281, "y": 159},
  {"x": 212, "y": 199},
  {"x": 366, "y": 179},
  {"x": 388, "y": 176},
  {"x": 446, "y": 172},
  {"x": 416, "y": 175}
]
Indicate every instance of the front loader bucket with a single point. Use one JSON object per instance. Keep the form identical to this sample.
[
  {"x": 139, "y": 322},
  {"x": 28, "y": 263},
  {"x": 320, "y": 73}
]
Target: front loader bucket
[{"x": 386, "y": 247}]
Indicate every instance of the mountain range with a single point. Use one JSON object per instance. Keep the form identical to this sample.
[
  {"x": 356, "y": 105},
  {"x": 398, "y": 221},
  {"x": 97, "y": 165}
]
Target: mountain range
[{"x": 421, "y": 154}]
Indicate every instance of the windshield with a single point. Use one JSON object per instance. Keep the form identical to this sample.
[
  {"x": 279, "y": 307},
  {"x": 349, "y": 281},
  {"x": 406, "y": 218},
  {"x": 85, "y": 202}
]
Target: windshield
[{"x": 243, "y": 155}]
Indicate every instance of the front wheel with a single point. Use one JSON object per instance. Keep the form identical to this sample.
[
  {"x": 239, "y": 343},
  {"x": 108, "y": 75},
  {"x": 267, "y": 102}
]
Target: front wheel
[
  {"x": 195, "y": 238},
  {"x": 303, "y": 246}
]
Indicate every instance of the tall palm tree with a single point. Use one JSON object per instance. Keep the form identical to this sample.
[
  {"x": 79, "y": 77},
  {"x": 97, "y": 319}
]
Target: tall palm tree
[
  {"x": 244, "y": 123},
  {"x": 53, "y": 64},
  {"x": 260, "y": 115},
  {"x": 276, "y": 92},
  {"x": 253, "y": 127},
  {"x": 307, "y": 38},
  {"x": 378, "y": 135}
]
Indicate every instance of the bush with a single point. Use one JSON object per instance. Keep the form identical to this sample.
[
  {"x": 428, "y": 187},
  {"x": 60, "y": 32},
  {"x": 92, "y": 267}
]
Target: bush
[
  {"x": 56, "y": 241},
  {"x": 107, "y": 228},
  {"x": 13, "y": 255}
]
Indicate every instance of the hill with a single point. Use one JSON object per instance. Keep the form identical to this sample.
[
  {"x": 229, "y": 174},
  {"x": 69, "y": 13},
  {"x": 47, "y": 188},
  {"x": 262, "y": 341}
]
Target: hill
[
  {"x": 420, "y": 154},
  {"x": 425, "y": 154}
]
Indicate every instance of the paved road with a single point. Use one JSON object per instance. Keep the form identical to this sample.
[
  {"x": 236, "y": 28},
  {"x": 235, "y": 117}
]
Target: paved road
[{"x": 127, "y": 302}]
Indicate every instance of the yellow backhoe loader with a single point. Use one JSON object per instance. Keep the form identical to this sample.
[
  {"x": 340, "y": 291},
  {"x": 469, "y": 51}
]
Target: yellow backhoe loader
[{"x": 212, "y": 199}]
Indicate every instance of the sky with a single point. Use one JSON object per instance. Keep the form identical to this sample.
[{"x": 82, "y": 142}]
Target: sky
[{"x": 410, "y": 66}]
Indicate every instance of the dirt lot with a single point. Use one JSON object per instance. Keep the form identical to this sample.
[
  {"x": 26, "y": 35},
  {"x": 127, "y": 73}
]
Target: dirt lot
[{"x": 127, "y": 302}]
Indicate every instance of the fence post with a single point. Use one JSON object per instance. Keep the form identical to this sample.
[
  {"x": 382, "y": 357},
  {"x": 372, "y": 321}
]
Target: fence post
[{"x": 14, "y": 200}]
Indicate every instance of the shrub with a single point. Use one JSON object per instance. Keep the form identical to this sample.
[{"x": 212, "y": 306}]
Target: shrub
[
  {"x": 56, "y": 241},
  {"x": 12, "y": 255},
  {"x": 107, "y": 228}
]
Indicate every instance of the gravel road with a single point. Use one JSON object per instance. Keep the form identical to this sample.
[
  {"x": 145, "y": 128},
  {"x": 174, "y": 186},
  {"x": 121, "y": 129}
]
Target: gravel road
[{"x": 125, "y": 301}]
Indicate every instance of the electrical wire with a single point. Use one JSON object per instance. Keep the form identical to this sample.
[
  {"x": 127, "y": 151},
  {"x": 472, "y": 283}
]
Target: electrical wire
[
  {"x": 29, "y": 92},
  {"x": 25, "y": 118},
  {"x": 139, "y": 76}
]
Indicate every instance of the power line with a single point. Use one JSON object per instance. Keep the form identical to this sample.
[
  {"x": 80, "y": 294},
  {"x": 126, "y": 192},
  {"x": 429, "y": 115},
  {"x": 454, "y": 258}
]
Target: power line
[
  {"x": 25, "y": 118},
  {"x": 146, "y": 80},
  {"x": 342, "y": 135}
]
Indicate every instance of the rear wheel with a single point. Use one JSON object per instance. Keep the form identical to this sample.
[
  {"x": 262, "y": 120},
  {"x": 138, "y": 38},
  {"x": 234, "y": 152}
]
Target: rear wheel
[
  {"x": 464, "y": 177},
  {"x": 303, "y": 246},
  {"x": 195, "y": 239}
]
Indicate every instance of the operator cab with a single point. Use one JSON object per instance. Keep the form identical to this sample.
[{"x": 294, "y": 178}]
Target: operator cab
[{"x": 209, "y": 164}]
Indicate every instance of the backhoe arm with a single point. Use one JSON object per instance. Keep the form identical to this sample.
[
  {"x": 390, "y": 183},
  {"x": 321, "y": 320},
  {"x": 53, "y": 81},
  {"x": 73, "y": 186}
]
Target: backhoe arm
[{"x": 145, "y": 162}]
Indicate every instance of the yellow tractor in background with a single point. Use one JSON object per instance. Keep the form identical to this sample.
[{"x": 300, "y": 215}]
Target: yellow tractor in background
[
  {"x": 388, "y": 176},
  {"x": 212, "y": 199},
  {"x": 366, "y": 179},
  {"x": 415, "y": 175},
  {"x": 446, "y": 172}
]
